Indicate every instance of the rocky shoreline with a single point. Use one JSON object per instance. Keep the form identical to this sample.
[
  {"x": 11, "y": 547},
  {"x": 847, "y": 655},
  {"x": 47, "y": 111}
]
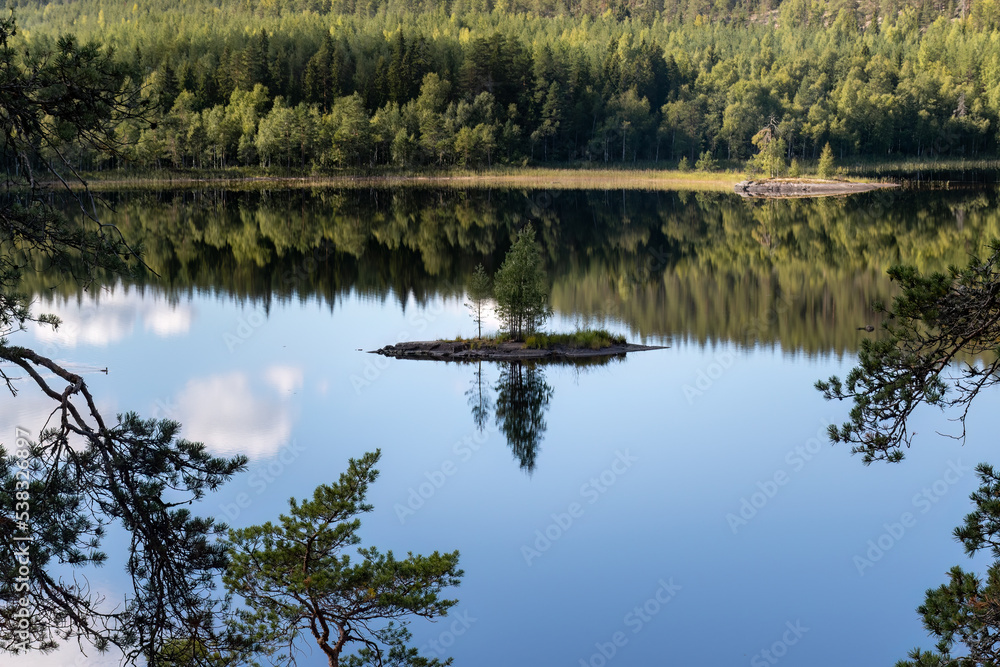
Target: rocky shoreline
[
  {"x": 774, "y": 188},
  {"x": 439, "y": 350}
]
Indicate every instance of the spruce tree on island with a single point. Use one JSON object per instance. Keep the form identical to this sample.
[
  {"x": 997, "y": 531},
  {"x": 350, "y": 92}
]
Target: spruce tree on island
[{"x": 520, "y": 288}]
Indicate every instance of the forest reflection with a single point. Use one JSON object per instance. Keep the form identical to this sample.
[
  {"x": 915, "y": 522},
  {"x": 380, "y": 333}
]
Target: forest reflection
[{"x": 701, "y": 267}]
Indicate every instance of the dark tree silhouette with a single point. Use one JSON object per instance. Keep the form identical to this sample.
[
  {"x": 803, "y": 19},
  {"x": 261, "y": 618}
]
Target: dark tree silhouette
[{"x": 522, "y": 398}]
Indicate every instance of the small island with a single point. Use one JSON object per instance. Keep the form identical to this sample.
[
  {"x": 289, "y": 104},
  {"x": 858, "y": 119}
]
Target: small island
[
  {"x": 520, "y": 296},
  {"x": 803, "y": 187},
  {"x": 562, "y": 347}
]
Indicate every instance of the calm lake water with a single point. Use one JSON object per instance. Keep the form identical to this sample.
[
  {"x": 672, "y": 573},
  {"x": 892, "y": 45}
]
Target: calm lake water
[{"x": 680, "y": 507}]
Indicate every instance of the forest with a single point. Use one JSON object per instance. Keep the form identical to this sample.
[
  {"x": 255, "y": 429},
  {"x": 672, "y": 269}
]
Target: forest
[{"x": 320, "y": 85}]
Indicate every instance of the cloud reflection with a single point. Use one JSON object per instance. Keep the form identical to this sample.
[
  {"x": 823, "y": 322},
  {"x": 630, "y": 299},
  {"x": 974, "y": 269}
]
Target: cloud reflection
[
  {"x": 286, "y": 379},
  {"x": 109, "y": 316},
  {"x": 225, "y": 413}
]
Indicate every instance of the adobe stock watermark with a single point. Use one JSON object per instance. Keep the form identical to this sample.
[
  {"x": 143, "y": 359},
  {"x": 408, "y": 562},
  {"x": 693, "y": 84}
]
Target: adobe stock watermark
[
  {"x": 459, "y": 625},
  {"x": 540, "y": 201},
  {"x": 706, "y": 377},
  {"x": 434, "y": 480},
  {"x": 779, "y": 649},
  {"x": 592, "y": 490},
  {"x": 893, "y": 532},
  {"x": 22, "y": 537},
  {"x": 376, "y": 364},
  {"x": 247, "y": 325},
  {"x": 635, "y": 620},
  {"x": 261, "y": 477},
  {"x": 796, "y": 459}
]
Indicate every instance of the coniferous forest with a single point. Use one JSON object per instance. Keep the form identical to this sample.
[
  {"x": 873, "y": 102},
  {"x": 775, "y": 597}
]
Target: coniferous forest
[{"x": 325, "y": 84}]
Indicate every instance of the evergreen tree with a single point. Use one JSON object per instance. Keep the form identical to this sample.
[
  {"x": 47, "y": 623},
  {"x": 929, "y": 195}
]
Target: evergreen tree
[
  {"x": 523, "y": 396},
  {"x": 965, "y": 611},
  {"x": 254, "y": 63},
  {"x": 296, "y": 576},
  {"x": 938, "y": 320},
  {"x": 520, "y": 288},
  {"x": 706, "y": 162},
  {"x": 825, "y": 168},
  {"x": 770, "y": 157},
  {"x": 167, "y": 88},
  {"x": 911, "y": 91},
  {"x": 322, "y": 75}
]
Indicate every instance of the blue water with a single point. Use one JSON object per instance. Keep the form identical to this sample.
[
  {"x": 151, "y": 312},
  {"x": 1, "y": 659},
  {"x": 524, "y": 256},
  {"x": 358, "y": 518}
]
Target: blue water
[{"x": 624, "y": 546}]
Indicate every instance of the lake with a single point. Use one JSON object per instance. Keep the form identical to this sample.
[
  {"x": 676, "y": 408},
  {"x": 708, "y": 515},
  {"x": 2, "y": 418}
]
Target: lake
[{"x": 681, "y": 506}]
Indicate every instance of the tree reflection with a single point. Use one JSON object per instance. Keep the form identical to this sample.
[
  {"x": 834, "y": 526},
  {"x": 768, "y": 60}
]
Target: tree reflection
[
  {"x": 522, "y": 398},
  {"x": 479, "y": 400}
]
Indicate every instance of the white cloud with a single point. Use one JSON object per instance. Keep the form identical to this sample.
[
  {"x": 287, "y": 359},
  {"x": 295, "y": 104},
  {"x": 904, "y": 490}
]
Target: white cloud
[
  {"x": 109, "y": 316},
  {"x": 223, "y": 412},
  {"x": 166, "y": 322},
  {"x": 286, "y": 379}
]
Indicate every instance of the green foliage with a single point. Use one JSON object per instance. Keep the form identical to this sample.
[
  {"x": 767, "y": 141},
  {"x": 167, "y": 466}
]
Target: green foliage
[
  {"x": 520, "y": 287},
  {"x": 826, "y": 166},
  {"x": 53, "y": 99},
  {"x": 706, "y": 162},
  {"x": 683, "y": 164},
  {"x": 620, "y": 86},
  {"x": 479, "y": 292},
  {"x": 173, "y": 555},
  {"x": 591, "y": 339},
  {"x": 794, "y": 170},
  {"x": 770, "y": 157},
  {"x": 297, "y": 576},
  {"x": 938, "y": 326},
  {"x": 479, "y": 400},
  {"x": 964, "y": 613}
]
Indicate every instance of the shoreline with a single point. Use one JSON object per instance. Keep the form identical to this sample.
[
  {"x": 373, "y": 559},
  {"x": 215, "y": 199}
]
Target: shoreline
[
  {"x": 528, "y": 178},
  {"x": 522, "y": 178},
  {"x": 441, "y": 350}
]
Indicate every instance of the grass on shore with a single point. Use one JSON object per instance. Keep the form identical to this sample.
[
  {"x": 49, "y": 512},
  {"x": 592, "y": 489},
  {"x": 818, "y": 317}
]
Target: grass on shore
[
  {"x": 590, "y": 339},
  {"x": 576, "y": 176},
  {"x": 586, "y": 339},
  {"x": 570, "y": 178}
]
